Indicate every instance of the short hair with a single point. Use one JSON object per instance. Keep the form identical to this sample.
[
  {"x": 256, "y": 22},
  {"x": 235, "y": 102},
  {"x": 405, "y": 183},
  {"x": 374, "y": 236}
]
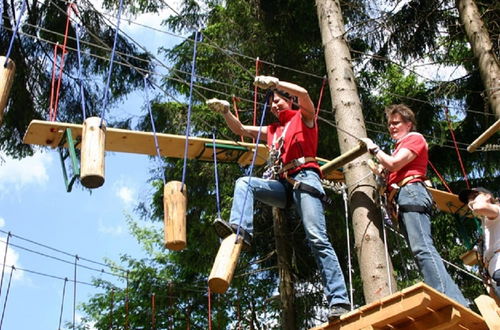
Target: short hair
[
  {"x": 289, "y": 97},
  {"x": 404, "y": 111}
]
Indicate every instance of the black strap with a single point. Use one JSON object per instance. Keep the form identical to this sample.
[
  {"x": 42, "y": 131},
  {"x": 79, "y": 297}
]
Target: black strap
[
  {"x": 415, "y": 208},
  {"x": 312, "y": 191}
]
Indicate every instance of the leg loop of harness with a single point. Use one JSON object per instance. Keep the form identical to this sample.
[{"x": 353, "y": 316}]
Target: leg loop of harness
[{"x": 297, "y": 185}]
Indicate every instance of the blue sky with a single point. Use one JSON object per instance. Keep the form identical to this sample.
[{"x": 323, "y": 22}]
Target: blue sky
[{"x": 34, "y": 206}]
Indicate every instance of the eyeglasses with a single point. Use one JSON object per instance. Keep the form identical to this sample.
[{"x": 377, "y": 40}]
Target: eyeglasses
[{"x": 394, "y": 123}]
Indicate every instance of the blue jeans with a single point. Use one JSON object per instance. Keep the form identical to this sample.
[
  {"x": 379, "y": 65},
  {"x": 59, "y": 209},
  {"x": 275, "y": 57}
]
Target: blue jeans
[
  {"x": 274, "y": 193},
  {"x": 417, "y": 228}
]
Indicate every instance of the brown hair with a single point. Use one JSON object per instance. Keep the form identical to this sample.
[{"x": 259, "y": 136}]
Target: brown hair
[{"x": 404, "y": 111}]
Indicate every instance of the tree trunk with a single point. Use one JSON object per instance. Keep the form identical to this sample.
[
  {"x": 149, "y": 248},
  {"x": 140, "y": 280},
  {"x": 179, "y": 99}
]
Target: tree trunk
[
  {"x": 481, "y": 45},
  {"x": 283, "y": 250},
  {"x": 376, "y": 273}
]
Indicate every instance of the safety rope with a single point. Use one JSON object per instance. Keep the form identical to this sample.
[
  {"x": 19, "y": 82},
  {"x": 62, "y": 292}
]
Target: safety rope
[
  {"x": 320, "y": 99},
  {"x": 209, "y": 310},
  {"x": 55, "y": 90},
  {"x": 106, "y": 89},
  {"x": 216, "y": 176},
  {"x": 80, "y": 79},
  {"x": 7, "y": 294},
  {"x": 153, "y": 311},
  {"x": 255, "y": 93},
  {"x": 74, "y": 292},
  {"x": 462, "y": 167},
  {"x": 269, "y": 95},
  {"x": 348, "y": 235},
  {"x": 4, "y": 260},
  {"x": 111, "y": 305},
  {"x": 155, "y": 135},
  {"x": 236, "y": 112},
  {"x": 62, "y": 303},
  {"x": 440, "y": 176},
  {"x": 126, "y": 304},
  {"x": 11, "y": 44},
  {"x": 190, "y": 102}
]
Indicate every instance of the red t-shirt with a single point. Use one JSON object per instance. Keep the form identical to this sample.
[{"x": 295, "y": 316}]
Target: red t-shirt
[
  {"x": 299, "y": 140},
  {"x": 416, "y": 143}
]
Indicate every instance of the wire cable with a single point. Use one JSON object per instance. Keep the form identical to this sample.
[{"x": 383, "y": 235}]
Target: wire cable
[{"x": 16, "y": 28}]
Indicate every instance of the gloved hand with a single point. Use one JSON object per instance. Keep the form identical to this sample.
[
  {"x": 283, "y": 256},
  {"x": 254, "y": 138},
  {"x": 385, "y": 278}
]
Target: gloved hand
[
  {"x": 266, "y": 82},
  {"x": 217, "y": 105},
  {"x": 370, "y": 145}
]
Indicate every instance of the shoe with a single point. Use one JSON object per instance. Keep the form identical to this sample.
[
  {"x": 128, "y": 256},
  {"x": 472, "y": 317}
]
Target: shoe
[
  {"x": 336, "y": 311},
  {"x": 223, "y": 229}
]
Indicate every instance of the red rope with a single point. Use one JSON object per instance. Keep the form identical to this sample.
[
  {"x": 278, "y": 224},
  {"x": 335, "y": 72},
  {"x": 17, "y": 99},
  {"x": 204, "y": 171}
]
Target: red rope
[
  {"x": 111, "y": 309},
  {"x": 456, "y": 148},
  {"x": 440, "y": 177},
  {"x": 320, "y": 96},
  {"x": 54, "y": 94},
  {"x": 153, "y": 312},
  {"x": 126, "y": 306},
  {"x": 236, "y": 112},
  {"x": 209, "y": 310}
]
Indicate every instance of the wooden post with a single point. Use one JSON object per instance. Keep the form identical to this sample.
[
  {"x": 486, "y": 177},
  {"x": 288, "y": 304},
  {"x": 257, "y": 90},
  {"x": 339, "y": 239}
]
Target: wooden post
[
  {"x": 6, "y": 80},
  {"x": 174, "y": 205},
  {"x": 92, "y": 152},
  {"x": 489, "y": 310},
  {"x": 225, "y": 264}
]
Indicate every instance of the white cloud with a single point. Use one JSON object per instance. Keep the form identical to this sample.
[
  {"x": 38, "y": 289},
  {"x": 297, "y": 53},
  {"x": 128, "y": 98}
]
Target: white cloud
[
  {"x": 126, "y": 194},
  {"x": 111, "y": 230},
  {"x": 16, "y": 174}
]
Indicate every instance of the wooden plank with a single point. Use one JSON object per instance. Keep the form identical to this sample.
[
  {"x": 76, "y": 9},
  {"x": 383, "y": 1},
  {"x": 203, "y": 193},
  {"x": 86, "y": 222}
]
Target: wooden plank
[
  {"x": 470, "y": 258},
  {"x": 489, "y": 309},
  {"x": 448, "y": 202},
  {"x": 412, "y": 306},
  {"x": 47, "y": 133},
  {"x": 119, "y": 140},
  {"x": 447, "y": 317},
  {"x": 344, "y": 158}
]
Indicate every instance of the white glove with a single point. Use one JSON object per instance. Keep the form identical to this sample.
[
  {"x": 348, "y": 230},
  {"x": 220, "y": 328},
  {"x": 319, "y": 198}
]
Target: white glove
[
  {"x": 217, "y": 105},
  {"x": 370, "y": 145},
  {"x": 266, "y": 82}
]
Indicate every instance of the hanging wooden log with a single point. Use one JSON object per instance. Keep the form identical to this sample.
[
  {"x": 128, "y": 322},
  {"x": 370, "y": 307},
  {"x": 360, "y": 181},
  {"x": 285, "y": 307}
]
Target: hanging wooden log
[
  {"x": 225, "y": 264},
  {"x": 174, "y": 204},
  {"x": 92, "y": 152},
  {"x": 6, "y": 80}
]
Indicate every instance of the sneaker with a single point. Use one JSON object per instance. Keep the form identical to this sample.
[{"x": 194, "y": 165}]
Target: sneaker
[
  {"x": 336, "y": 311},
  {"x": 224, "y": 229}
]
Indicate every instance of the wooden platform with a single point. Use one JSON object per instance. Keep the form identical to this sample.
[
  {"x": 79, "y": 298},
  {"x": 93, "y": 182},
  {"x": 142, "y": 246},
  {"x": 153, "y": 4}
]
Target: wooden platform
[
  {"x": 46, "y": 133},
  {"x": 448, "y": 202},
  {"x": 416, "y": 307}
]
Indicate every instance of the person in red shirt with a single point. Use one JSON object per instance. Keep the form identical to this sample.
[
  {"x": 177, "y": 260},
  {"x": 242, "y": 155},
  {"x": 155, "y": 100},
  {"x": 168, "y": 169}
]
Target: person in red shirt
[
  {"x": 293, "y": 175},
  {"x": 407, "y": 167}
]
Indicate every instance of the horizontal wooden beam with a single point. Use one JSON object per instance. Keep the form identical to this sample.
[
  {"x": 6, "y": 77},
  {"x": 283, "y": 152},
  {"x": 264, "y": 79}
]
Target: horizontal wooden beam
[{"x": 485, "y": 136}]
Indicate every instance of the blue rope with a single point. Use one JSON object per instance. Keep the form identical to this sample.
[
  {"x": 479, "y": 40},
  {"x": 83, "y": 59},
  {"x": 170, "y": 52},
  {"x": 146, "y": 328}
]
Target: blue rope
[
  {"x": 216, "y": 176},
  {"x": 269, "y": 95},
  {"x": 154, "y": 128},
  {"x": 111, "y": 63},
  {"x": 1, "y": 15},
  {"x": 188, "y": 126},
  {"x": 23, "y": 8},
  {"x": 82, "y": 94}
]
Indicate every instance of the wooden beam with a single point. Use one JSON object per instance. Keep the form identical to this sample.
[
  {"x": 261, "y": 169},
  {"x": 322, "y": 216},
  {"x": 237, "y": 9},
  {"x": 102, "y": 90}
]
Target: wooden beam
[
  {"x": 489, "y": 309},
  {"x": 345, "y": 158},
  {"x": 485, "y": 136},
  {"x": 447, "y": 317}
]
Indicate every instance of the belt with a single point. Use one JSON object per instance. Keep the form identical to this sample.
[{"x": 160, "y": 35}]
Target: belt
[
  {"x": 296, "y": 163},
  {"x": 403, "y": 183}
]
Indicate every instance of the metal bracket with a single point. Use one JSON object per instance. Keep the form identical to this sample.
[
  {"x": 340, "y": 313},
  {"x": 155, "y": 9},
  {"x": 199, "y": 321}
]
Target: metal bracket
[{"x": 71, "y": 153}]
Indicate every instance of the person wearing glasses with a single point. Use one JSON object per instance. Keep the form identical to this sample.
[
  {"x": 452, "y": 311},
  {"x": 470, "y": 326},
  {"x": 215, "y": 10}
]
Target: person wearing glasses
[{"x": 406, "y": 170}]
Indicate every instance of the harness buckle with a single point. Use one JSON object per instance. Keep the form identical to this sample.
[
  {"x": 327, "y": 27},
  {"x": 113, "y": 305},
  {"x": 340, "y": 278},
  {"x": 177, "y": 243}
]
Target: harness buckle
[{"x": 299, "y": 161}]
